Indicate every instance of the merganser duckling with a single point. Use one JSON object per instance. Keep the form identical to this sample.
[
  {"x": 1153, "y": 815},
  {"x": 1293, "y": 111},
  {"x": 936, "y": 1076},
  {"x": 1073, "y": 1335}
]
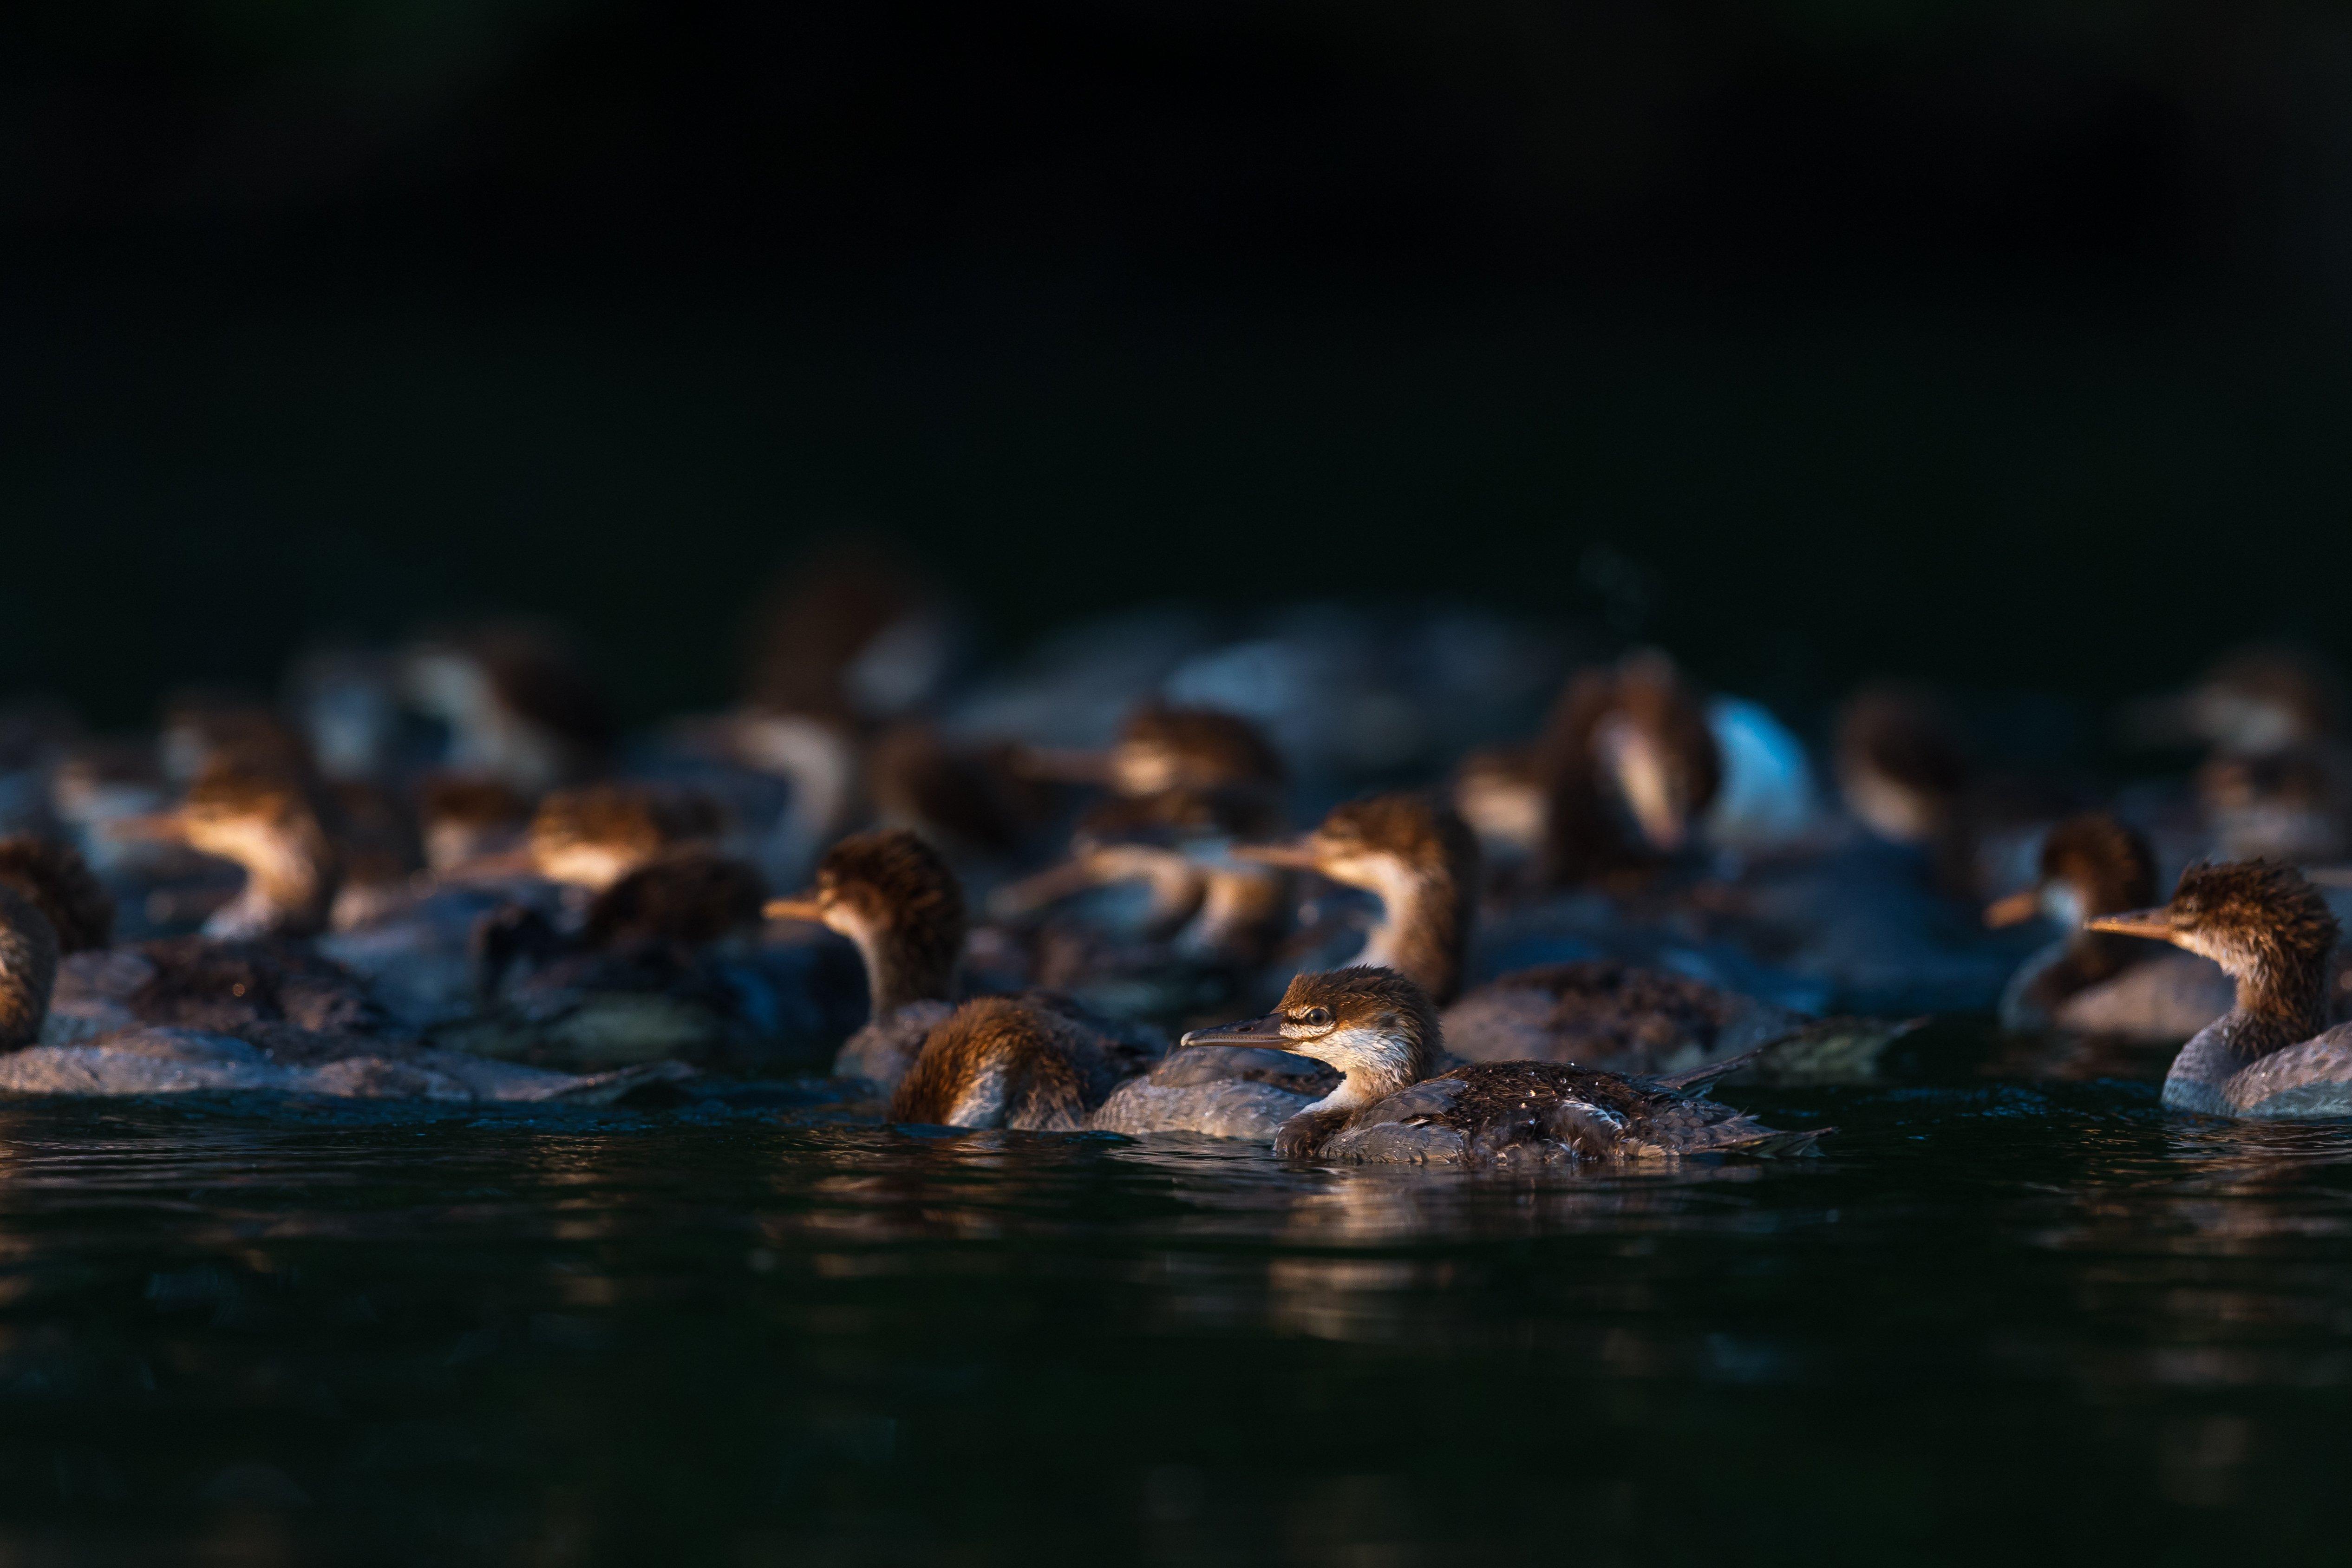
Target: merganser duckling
[
  {"x": 1629, "y": 766},
  {"x": 895, "y": 898},
  {"x": 854, "y": 629},
  {"x": 519, "y": 704},
  {"x": 2093, "y": 983},
  {"x": 2272, "y": 1055},
  {"x": 1018, "y": 1062},
  {"x": 1377, "y": 1028},
  {"x": 975, "y": 800},
  {"x": 2291, "y": 803},
  {"x": 270, "y": 826},
  {"x": 1162, "y": 749},
  {"x": 593, "y": 836},
  {"x": 1418, "y": 857},
  {"x": 194, "y": 1014}
]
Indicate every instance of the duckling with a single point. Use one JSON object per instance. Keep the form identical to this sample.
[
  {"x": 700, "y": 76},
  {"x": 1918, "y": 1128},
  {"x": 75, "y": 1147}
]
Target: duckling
[
  {"x": 1630, "y": 766},
  {"x": 1162, "y": 749},
  {"x": 519, "y": 704},
  {"x": 194, "y": 1014},
  {"x": 593, "y": 836},
  {"x": 1379, "y": 1029},
  {"x": 854, "y": 629},
  {"x": 270, "y": 826},
  {"x": 2272, "y": 1055},
  {"x": 214, "y": 732},
  {"x": 895, "y": 897},
  {"x": 2092, "y": 983},
  {"x": 2291, "y": 803},
  {"x": 1019, "y": 1062},
  {"x": 1419, "y": 858}
]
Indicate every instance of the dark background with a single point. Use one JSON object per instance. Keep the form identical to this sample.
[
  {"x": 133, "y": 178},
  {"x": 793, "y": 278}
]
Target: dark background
[{"x": 2004, "y": 344}]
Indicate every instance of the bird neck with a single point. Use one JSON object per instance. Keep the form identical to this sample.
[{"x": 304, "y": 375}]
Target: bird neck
[
  {"x": 1424, "y": 927},
  {"x": 900, "y": 968},
  {"x": 1372, "y": 1064},
  {"x": 288, "y": 877},
  {"x": 2281, "y": 1002}
]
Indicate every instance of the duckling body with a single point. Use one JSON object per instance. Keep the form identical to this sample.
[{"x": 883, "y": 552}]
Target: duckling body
[
  {"x": 1007, "y": 1061},
  {"x": 2272, "y": 1055},
  {"x": 1377, "y": 1027}
]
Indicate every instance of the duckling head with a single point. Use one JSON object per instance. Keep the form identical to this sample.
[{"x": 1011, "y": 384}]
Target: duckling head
[
  {"x": 2091, "y": 865},
  {"x": 1375, "y": 1026},
  {"x": 2262, "y": 922},
  {"x": 894, "y": 896}
]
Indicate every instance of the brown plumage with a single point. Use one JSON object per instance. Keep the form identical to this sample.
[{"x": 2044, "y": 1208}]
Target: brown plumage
[
  {"x": 1595, "y": 823},
  {"x": 28, "y": 967},
  {"x": 2268, "y": 926},
  {"x": 274, "y": 828},
  {"x": 1162, "y": 747},
  {"x": 598, "y": 834},
  {"x": 690, "y": 896},
  {"x": 1438, "y": 856},
  {"x": 893, "y": 894},
  {"x": 1379, "y": 1029},
  {"x": 59, "y": 883},
  {"x": 1007, "y": 1061}
]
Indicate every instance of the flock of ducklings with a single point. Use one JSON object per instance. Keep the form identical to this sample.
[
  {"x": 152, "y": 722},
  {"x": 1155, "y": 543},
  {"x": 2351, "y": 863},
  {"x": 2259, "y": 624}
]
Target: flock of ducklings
[{"x": 1072, "y": 894}]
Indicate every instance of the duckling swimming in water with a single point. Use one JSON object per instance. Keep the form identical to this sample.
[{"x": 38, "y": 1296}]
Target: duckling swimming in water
[
  {"x": 2093, "y": 983},
  {"x": 895, "y": 898},
  {"x": 518, "y": 703},
  {"x": 1379, "y": 1029},
  {"x": 2272, "y": 1055},
  {"x": 1008, "y": 1061}
]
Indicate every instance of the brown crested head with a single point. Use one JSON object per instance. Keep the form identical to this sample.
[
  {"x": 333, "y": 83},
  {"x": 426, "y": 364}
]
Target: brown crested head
[
  {"x": 643, "y": 818},
  {"x": 1162, "y": 747},
  {"x": 1427, "y": 835},
  {"x": 894, "y": 894},
  {"x": 2107, "y": 864},
  {"x": 1359, "y": 1019},
  {"x": 2260, "y": 920},
  {"x": 225, "y": 799},
  {"x": 56, "y": 879}
]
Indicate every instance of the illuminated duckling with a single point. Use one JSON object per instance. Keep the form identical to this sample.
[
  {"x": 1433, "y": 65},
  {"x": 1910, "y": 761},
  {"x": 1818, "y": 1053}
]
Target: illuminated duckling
[
  {"x": 1377, "y": 1028},
  {"x": 272, "y": 826},
  {"x": 2091, "y": 982},
  {"x": 2272, "y": 1055},
  {"x": 594, "y": 836},
  {"x": 895, "y": 898},
  {"x": 1017, "y": 1062}
]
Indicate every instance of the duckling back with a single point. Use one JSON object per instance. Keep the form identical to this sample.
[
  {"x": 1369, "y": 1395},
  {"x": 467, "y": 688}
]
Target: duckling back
[{"x": 1006, "y": 1062}]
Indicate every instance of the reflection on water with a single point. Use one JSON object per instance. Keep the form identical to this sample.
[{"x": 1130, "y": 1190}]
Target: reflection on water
[{"x": 271, "y": 1335}]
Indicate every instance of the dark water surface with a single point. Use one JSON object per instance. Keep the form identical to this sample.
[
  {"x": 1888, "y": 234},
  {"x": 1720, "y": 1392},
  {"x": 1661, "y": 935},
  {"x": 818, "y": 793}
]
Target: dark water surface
[{"x": 1999, "y": 1316}]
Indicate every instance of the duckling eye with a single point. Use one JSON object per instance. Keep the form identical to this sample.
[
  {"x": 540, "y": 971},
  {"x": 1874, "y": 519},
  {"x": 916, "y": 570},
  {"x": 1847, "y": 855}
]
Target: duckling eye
[{"x": 1315, "y": 1018}]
